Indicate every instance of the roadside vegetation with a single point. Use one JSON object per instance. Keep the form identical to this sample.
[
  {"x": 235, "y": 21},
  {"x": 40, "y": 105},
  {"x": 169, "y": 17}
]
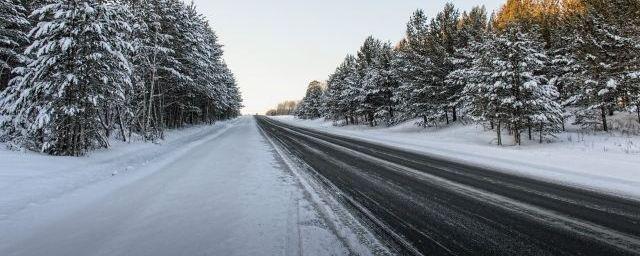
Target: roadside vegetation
[
  {"x": 76, "y": 74},
  {"x": 528, "y": 71}
]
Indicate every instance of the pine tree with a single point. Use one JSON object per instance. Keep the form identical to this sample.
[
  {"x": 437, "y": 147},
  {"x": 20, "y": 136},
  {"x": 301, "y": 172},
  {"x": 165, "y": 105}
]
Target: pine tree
[
  {"x": 336, "y": 103},
  {"x": 155, "y": 64},
  {"x": 472, "y": 30},
  {"x": 517, "y": 71},
  {"x": 352, "y": 84},
  {"x": 563, "y": 68},
  {"x": 532, "y": 100},
  {"x": 413, "y": 68},
  {"x": 508, "y": 90},
  {"x": 369, "y": 71},
  {"x": 136, "y": 66},
  {"x": 13, "y": 38},
  {"x": 57, "y": 104},
  {"x": 179, "y": 71},
  {"x": 605, "y": 52},
  {"x": 445, "y": 39},
  {"x": 480, "y": 94},
  {"x": 311, "y": 105},
  {"x": 385, "y": 85}
]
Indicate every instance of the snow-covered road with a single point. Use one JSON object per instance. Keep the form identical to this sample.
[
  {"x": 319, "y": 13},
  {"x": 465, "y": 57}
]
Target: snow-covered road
[{"x": 229, "y": 195}]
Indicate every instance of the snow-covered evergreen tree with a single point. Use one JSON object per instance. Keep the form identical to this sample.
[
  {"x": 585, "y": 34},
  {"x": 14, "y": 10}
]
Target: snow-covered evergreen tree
[
  {"x": 510, "y": 71},
  {"x": 385, "y": 83},
  {"x": 95, "y": 67},
  {"x": 57, "y": 103},
  {"x": 445, "y": 39},
  {"x": 508, "y": 90},
  {"x": 13, "y": 38},
  {"x": 179, "y": 72},
  {"x": 480, "y": 95},
  {"x": 369, "y": 70},
  {"x": 155, "y": 63},
  {"x": 472, "y": 28},
  {"x": 563, "y": 69},
  {"x": 605, "y": 51},
  {"x": 413, "y": 68},
  {"x": 337, "y": 103},
  {"x": 311, "y": 105}
]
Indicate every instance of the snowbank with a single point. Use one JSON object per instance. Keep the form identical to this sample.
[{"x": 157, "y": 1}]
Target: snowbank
[
  {"x": 29, "y": 179},
  {"x": 598, "y": 161}
]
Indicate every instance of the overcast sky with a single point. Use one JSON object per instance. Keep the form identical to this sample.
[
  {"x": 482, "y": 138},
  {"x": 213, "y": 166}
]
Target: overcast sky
[{"x": 276, "y": 47}]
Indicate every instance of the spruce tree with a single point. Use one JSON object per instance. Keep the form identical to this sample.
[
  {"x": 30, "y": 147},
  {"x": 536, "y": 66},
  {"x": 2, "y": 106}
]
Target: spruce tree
[
  {"x": 57, "y": 103},
  {"x": 13, "y": 38}
]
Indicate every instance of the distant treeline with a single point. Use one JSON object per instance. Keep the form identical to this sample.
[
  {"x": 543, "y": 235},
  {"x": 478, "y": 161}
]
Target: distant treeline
[
  {"x": 525, "y": 69},
  {"x": 283, "y": 109}
]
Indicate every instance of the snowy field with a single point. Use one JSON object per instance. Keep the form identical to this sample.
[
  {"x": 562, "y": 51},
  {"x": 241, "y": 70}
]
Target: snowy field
[
  {"x": 206, "y": 190},
  {"x": 598, "y": 161}
]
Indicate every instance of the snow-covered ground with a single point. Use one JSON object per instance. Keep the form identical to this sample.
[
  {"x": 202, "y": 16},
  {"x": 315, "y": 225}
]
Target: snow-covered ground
[
  {"x": 209, "y": 190},
  {"x": 28, "y": 178},
  {"x": 605, "y": 162}
]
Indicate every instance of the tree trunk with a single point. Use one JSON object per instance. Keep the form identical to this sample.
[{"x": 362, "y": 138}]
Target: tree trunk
[
  {"x": 107, "y": 121},
  {"x": 454, "y": 112},
  {"x": 154, "y": 70},
  {"x": 530, "y": 127},
  {"x": 603, "y": 114},
  {"x": 499, "y": 135},
  {"x": 541, "y": 131},
  {"x": 446, "y": 115},
  {"x": 638, "y": 111},
  {"x": 161, "y": 115},
  {"x": 121, "y": 123},
  {"x": 149, "y": 112}
]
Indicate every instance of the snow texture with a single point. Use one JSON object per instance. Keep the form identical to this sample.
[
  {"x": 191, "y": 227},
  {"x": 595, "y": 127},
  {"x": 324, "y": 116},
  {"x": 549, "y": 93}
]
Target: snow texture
[{"x": 209, "y": 190}]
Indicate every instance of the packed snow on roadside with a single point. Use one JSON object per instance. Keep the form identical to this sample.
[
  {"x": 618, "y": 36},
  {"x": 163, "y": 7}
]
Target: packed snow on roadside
[
  {"x": 592, "y": 160},
  {"x": 29, "y": 178},
  {"x": 207, "y": 190}
]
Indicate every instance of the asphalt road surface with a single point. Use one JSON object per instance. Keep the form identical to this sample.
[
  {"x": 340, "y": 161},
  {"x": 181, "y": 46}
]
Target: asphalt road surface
[{"x": 431, "y": 206}]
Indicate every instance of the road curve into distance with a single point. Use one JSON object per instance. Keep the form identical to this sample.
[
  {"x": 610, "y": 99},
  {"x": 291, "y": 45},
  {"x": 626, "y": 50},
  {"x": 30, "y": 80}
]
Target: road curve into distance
[{"x": 431, "y": 206}]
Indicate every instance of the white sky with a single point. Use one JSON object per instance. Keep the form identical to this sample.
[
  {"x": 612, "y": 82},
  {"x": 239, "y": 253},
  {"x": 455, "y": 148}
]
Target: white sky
[{"x": 276, "y": 47}]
